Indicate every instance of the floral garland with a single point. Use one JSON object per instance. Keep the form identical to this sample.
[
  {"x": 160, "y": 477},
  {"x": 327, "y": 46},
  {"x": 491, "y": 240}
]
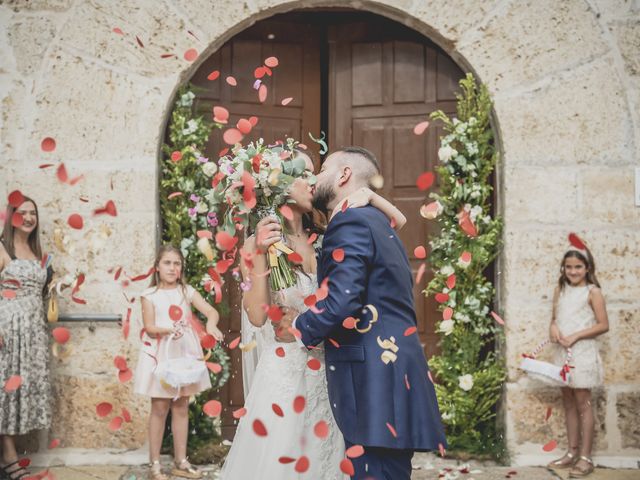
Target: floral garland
[
  {"x": 468, "y": 371},
  {"x": 185, "y": 178}
]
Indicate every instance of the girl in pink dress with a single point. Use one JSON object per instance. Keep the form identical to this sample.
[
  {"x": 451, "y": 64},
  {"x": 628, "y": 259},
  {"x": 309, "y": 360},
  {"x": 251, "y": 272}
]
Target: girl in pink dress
[{"x": 166, "y": 311}]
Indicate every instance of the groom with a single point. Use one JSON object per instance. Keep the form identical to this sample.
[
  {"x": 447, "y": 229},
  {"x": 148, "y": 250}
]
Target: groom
[{"x": 378, "y": 381}]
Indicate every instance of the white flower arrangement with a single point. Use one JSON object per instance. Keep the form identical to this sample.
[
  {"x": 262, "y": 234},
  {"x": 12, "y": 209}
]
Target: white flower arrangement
[{"x": 465, "y": 382}]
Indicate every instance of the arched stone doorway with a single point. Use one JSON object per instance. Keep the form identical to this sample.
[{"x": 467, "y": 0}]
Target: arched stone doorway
[{"x": 361, "y": 78}]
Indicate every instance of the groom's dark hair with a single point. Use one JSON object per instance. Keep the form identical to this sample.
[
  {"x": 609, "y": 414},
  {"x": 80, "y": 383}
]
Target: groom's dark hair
[{"x": 364, "y": 153}]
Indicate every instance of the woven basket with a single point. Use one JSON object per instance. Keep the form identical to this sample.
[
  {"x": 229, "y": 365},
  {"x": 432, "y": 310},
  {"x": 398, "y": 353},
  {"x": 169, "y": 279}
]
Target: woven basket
[
  {"x": 181, "y": 371},
  {"x": 546, "y": 372}
]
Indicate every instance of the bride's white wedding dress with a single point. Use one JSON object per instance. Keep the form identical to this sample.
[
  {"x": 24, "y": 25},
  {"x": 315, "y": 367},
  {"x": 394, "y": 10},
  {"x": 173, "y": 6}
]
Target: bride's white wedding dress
[{"x": 281, "y": 375}]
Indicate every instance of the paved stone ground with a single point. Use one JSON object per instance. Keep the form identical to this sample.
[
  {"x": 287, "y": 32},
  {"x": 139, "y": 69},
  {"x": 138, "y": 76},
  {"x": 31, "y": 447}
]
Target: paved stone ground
[{"x": 426, "y": 467}]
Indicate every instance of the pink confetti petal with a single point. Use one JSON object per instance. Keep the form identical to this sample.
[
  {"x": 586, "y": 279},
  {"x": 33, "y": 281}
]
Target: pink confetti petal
[
  {"x": 231, "y": 81},
  {"x": 286, "y": 101},
  {"x": 190, "y": 55},
  {"x": 420, "y": 128}
]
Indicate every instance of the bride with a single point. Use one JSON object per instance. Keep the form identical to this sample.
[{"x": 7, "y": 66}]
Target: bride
[{"x": 288, "y": 430}]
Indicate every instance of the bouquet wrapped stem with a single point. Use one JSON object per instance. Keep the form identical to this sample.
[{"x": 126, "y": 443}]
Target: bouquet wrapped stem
[{"x": 282, "y": 275}]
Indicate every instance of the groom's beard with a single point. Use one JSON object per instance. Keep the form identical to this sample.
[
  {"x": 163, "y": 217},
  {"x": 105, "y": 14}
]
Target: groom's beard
[{"x": 323, "y": 195}]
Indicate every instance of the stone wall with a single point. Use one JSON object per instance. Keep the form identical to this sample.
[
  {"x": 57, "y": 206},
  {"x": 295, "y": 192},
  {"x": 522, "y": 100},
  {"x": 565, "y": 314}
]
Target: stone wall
[{"x": 566, "y": 81}]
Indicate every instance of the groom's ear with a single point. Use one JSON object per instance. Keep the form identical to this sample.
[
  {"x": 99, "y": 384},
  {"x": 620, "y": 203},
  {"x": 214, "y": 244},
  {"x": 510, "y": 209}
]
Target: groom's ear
[{"x": 344, "y": 176}]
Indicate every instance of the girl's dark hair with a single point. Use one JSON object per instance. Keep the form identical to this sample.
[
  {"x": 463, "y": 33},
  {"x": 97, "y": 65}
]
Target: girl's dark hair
[
  {"x": 589, "y": 263},
  {"x": 155, "y": 278},
  {"x": 8, "y": 232}
]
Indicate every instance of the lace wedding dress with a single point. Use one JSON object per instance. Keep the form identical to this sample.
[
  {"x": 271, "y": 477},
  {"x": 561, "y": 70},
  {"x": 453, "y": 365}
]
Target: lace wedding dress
[{"x": 281, "y": 375}]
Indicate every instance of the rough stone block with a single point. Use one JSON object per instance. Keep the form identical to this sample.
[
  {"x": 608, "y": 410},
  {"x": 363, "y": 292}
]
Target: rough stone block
[
  {"x": 620, "y": 346},
  {"x": 526, "y": 41},
  {"x": 541, "y": 195},
  {"x": 628, "y": 406},
  {"x": 568, "y": 121},
  {"x": 627, "y": 35},
  {"x": 607, "y": 196},
  {"x": 527, "y": 411},
  {"x": 30, "y": 37},
  {"x": 57, "y": 5}
]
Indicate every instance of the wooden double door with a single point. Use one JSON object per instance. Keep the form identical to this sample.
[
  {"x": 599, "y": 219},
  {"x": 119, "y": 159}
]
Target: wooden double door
[{"x": 364, "y": 80}]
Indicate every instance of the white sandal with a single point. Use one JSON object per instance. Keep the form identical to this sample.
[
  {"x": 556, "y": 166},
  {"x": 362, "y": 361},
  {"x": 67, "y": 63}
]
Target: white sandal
[
  {"x": 184, "y": 469},
  {"x": 155, "y": 472}
]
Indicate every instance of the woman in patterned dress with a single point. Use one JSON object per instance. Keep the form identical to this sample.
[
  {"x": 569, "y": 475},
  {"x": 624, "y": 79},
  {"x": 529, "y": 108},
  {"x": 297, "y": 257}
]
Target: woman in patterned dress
[{"x": 24, "y": 351}]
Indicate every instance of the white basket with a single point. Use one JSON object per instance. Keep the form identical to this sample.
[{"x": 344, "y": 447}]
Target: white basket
[
  {"x": 546, "y": 372},
  {"x": 181, "y": 371}
]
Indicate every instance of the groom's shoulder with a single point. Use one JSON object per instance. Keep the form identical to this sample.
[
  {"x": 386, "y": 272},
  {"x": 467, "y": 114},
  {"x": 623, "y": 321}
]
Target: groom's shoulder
[{"x": 353, "y": 216}]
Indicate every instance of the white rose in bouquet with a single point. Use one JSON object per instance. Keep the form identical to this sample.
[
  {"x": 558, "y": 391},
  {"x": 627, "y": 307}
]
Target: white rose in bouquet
[
  {"x": 465, "y": 382},
  {"x": 446, "y": 327},
  {"x": 446, "y": 153},
  {"x": 209, "y": 169}
]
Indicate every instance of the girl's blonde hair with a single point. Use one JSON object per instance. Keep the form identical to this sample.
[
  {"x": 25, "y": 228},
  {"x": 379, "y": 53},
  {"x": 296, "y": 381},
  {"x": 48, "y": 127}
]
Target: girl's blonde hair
[
  {"x": 584, "y": 255},
  {"x": 162, "y": 251}
]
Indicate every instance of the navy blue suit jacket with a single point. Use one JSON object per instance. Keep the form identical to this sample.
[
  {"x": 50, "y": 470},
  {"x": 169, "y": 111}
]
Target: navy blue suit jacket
[{"x": 375, "y": 404}]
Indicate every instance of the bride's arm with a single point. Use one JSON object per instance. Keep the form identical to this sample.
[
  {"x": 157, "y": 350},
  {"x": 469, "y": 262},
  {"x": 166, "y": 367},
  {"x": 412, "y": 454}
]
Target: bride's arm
[{"x": 366, "y": 196}]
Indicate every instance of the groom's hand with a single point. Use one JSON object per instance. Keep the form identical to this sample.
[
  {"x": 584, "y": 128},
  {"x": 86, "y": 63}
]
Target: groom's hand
[{"x": 282, "y": 328}]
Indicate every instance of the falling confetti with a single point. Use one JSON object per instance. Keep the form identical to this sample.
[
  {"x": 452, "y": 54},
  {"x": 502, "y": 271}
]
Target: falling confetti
[
  {"x": 212, "y": 408},
  {"x": 321, "y": 429},
  {"x": 425, "y": 180},
  {"x": 550, "y": 446},
  {"x": 61, "y": 335},
  {"x": 231, "y": 81},
  {"x": 576, "y": 241},
  {"x": 299, "y": 403},
  {"x": 420, "y": 128},
  {"x": 420, "y": 252},
  {"x": 48, "y": 144},
  {"x": 213, "y": 75},
  {"x": 103, "y": 409},
  {"x": 75, "y": 221},
  {"x": 259, "y": 428},
  {"x": 338, "y": 255},
  {"x": 13, "y": 383},
  {"x": 190, "y": 55}
]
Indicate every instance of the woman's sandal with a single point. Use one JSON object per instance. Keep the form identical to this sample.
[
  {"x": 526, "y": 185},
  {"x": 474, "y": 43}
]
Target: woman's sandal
[
  {"x": 184, "y": 469},
  {"x": 14, "y": 471},
  {"x": 579, "y": 472},
  {"x": 155, "y": 472},
  {"x": 568, "y": 460}
]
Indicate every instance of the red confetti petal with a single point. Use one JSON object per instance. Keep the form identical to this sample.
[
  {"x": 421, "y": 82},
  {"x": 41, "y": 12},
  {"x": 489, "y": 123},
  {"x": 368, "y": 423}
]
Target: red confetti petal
[
  {"x": 103, "y": 409},
  {"x": 410, "y": 331},
  {"x": 334, "y": 343},
  {"x": 190, "y": 55},
  {"x": 406, "y": 382},
  {"x": 286, "y": 101},
  {"x": 441, "y": 450},
  {"x": 349, "y": 323},
  {"x": 253, "y": 121},
  {"x": 420, "y": 127},
  {"x": 355, "y": 451},
  {"x": 314, "y": 364},
  {"x": 285, "y": 460},
  {"x": 338, "y": 254},
  {"x": 54, "y": 443},
  {"x": 271, "y": 62},
  {"x": 321, "y": 429},
  {"x": 420, "y": 252},
  {"x": 546, "y": 417},
  {"x": 295, "y": 257},
  {"x": 274, "y": 312},
  {"x": 118, "y": 31},
  {"x": 346, "y": 466},
  {"x": 16, "y": 198},
  {"x": 280, "y": 352},
  {"x": 213, "y": 75},
  {"x": 447, "y": 313},
  {"x": 48, "y": 144},
  {"x": 451, "y": 281},
  {"x": 9, "y": 294},
  {"x": 244, "y": 126},
  {"x": 421, "y": 269},
  {"x": 61, "y": 335},
  {"x": 259, "y": 428},
  {"x": 392, "y": 430},
  {"x": 550, "y": 446},
  {"x": 234, "y": 343},
  {"x": 208, "y": 342},
  {"x": 441, "y": 297},
  {"x": 277, "y": 409},
  {"x": 465, "y": 257},
  {"x": 176, "y": 156},
  {"x": 299, "y": 403},
  {"x": 75, "y": 221},
  {"x": 302, "y": 465},
  {"x": 120, "y": 362},
  {"x": 109, "y": 209},
  {"x": 345, "y": 205},
  {"x": 286, "y": 212},
  {"x": 212, "y": 408},
  {"x": 231, "y": 81},
  {"x": 241, "y": 412},
  {"x": 61, "y": 173},
  {"x": 125, "y": 375},
  {"x": 115, "y": 424},
  {"x": 220, "y": 115},
  {"x": 13, "y": 383},
  {"x": 497, "y": 318},
  {"x": 126, "y": 415},
  {"x": 467, "y": 225},
  {"x": 262, "y": 93},
  {"x": 425, "y": 180},
  {"x": 17, "y": 219},
  {"x": 225, "y": 241},
  {"x": 231, "y": 136},
  {"x": 175, "y": 313},
  {"x": 214, "y": 367},
  {"x": 24, "y": 462}
]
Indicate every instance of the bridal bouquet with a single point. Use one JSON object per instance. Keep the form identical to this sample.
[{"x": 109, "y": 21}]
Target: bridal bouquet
[{"x": 250, "y": 183}]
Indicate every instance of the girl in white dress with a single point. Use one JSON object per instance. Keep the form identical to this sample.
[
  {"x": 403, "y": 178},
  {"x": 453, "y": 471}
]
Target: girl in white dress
[
  {"x": 288, "y": 430},
  {"x": 166, "y": 312},
  {"x": 579, "y": 316}
]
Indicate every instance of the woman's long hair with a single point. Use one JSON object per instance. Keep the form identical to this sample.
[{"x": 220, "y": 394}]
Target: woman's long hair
[
  {"x": 589, "y": 263},
  {"x": 155, "y": 278},
  {"x": 8, "y": 232}
]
